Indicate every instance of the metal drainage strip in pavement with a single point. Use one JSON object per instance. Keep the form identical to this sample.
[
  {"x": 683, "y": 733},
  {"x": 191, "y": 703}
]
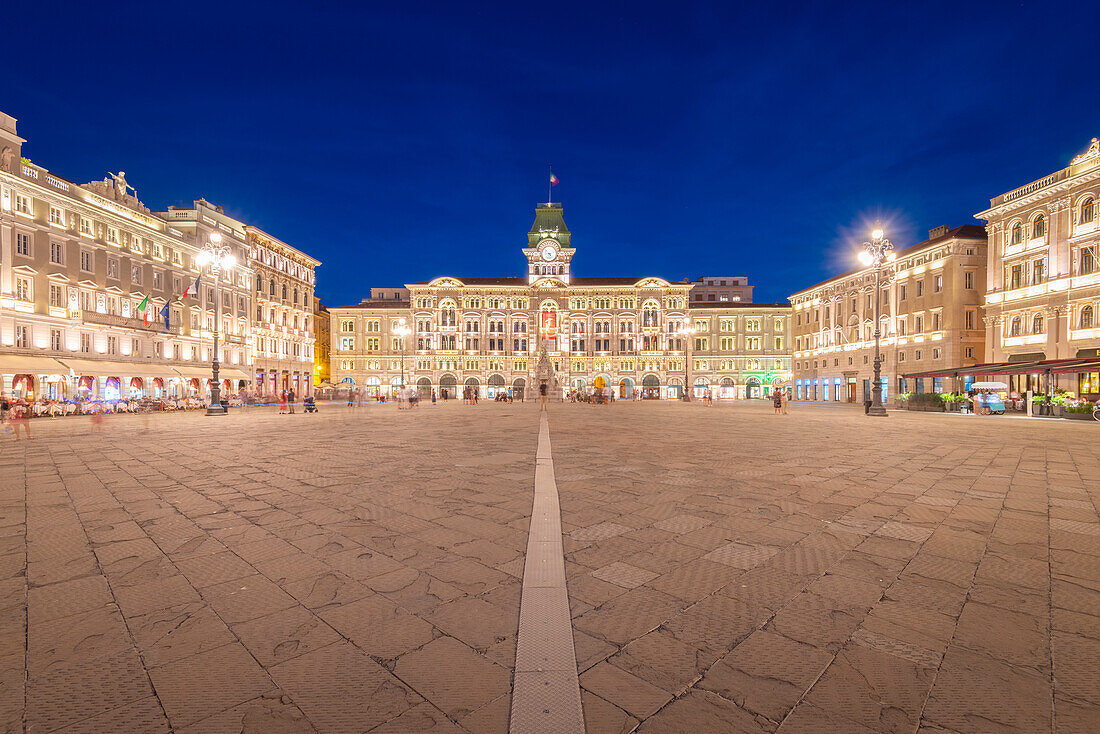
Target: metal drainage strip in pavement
[{"x": 546, "y": 696}]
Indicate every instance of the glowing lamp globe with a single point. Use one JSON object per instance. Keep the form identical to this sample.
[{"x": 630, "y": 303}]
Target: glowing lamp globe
[
  {"x": 877, "y": 234},
  {"x": 865, "y": 257}
]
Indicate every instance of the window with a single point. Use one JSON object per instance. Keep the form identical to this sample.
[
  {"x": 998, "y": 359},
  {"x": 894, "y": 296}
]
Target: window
[
  {"x": 753, "y": 324},
  {"x": 936, "y": 318},
  {"x": 970, "y": 319},
  {"x": 22, "y": 336},
  {"x": 347, "y": 343},
  {"x": 1016, "y": 276},
  {"x": 57, "y": 253},
  {"x": 1017, "y": 233},
  {"x": 112, "y": 236},
  {"x": 1088, "y": 261},
  {"x": 86, "y": 263},
  {"x": 920, "y": 288},
  {"x": 135, "y": 274},
  {"x": 1014, "y": 327},
  {"x": 22, "y": 244},
  {"x": 918, "y": 324},
  {"x": 85, "y": 226},
  {"x": 57, "y": 298},
  {"x": 1038, "y": 271},
  {"x": 23, "y": 204},
  {"x": 112, "y": 345},
  {"x": 752, "y": 342},
  {"x": 1039, "y": 227},
  {"x": 55, "y": 339},
  {"x": 1037, "y": 324},
  {"x": 968, "y": 280},
  {"x": 1088, "y": 210},
  {"x": 22, "y": 288},
  {"x": 1086, "y": 317},
  {"x": 778, "y": 343},
  {"x": 969, "y": 352},
  {"x": 936, "y": 352},
  {"x": 85, "y": 343},
  {"x": 135, "y": 347},
  {"x": 901, "y": 296},
  {"x": 158, "y": 280},
  {"x": 937, "y": 283}
]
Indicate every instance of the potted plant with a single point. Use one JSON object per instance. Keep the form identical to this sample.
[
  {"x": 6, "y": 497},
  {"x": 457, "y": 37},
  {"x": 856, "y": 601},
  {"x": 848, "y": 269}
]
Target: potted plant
[
  {"x": 901, "y": 400},
  {"x": 1080, "y": 410}
]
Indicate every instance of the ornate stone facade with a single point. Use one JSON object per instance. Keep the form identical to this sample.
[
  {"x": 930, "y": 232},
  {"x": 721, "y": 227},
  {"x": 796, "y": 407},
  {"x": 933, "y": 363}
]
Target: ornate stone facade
[{"x": 627, "y": 334}]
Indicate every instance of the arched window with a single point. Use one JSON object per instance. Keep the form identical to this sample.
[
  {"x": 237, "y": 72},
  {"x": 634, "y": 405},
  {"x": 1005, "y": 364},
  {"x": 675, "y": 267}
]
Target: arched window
[
  {"x": 296, "y": 295},
  {"x": 1088, "y": 262},
  {"x": 447, "y": 313},
  {"x": 284, "y": 291},
  {"x": 1088, "y": 210},
  {"x": 271, "y": 286},
  {"x": 649, "y": 314},
  {"x": 1039, "y": 227},
  {"x": 1086, "y": 317},
  {"x": 1017, "y": 233},
  {"x": 1037, "y": 324},
  {"x": 1014, "y": 329},
  {"x": 259, "y": 283}
]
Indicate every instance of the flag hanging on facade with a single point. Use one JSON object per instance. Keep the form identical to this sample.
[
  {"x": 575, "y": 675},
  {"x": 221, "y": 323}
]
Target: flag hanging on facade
[
  {"x": 192, "y": 290},
  {"x": 143, "y": 309},
  {"x": 164, "y": 315}
]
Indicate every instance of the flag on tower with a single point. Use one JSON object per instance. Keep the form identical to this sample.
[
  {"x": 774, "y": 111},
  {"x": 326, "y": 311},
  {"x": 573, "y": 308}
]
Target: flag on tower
[
  {"x": 164, "y": 315},
  {"x": 143, "y": 309},
  {"x": 553, "y": 180},
  {"x": 192, "y": 290}
]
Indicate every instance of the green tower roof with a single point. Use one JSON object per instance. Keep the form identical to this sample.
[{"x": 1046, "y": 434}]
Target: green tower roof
[{"x": 549, "y": 222}]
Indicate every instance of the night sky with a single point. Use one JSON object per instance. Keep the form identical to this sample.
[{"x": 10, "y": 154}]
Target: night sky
[{"x": 412, "y": 140}]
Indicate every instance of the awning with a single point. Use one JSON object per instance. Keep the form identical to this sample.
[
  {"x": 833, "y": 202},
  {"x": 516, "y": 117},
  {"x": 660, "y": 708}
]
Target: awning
[
  {"x": 205, "y": 372},
  {"x": 1011, "y": 368},
  {"x": 20, "y": 364},
  {"x": 104, "y": 368}
]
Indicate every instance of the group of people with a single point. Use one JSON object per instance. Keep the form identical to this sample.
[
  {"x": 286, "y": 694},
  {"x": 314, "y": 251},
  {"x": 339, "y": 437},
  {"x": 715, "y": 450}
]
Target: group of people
[
  {"x": 286, "y": 399},
  {"x": 779, "y": 401},
  {"x": 14, "y": 413}
]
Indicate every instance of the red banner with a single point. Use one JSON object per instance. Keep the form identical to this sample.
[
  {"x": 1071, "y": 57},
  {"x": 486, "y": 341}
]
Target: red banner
[{"x": 549, "y": 326}]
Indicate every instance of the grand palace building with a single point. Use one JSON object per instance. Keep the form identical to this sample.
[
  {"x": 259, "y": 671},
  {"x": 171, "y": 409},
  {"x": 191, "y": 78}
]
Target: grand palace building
[
  {"x": 88, "y": 274},
  {"x": 642, "y": 337}
]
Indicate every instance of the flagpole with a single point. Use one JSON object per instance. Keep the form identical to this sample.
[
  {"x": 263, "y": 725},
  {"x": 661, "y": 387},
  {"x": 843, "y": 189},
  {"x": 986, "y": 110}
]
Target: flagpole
[{"x": 550, "y": 187}]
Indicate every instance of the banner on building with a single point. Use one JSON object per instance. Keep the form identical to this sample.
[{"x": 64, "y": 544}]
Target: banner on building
[{"x": 548, "y": 329}]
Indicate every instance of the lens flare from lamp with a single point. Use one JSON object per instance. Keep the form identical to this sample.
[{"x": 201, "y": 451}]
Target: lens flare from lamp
[
  {"x": 228, "y": 262},
  {"x": 215, "y": 237},
  {"x": 877, "y": 234},
  {"x": 891, "y": 257},
  {"x": 865, "y": 257},
  {"x": 204, "y": 258}
]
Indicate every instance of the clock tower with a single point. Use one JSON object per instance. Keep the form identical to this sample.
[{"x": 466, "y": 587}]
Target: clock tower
[{"x": 548, "y": 252}]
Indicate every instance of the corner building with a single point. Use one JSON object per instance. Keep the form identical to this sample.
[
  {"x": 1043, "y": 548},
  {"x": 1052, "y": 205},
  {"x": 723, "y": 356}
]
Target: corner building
[
  {"x": 929, "y": 315},
  {"x": 1043, "y": 296},
  {"x": 626, "y": 333}
]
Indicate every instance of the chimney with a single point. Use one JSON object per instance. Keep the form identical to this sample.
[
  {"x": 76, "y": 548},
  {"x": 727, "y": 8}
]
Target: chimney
[{"x": 939, "y": 231}]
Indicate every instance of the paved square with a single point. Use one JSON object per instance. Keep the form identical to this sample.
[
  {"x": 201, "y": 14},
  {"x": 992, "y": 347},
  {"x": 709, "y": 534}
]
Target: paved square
[{"x": 727, "y": 570}]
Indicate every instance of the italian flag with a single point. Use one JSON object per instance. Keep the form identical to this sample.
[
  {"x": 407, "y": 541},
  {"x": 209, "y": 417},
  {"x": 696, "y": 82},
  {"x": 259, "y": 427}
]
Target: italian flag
[{"x": 146, "y": 312}]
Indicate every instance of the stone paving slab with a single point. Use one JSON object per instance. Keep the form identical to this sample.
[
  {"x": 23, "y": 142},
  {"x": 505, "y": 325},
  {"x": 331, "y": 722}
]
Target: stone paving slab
[
  {"x": 841, "y": 574},
  {"x": 727, "y": 570}
]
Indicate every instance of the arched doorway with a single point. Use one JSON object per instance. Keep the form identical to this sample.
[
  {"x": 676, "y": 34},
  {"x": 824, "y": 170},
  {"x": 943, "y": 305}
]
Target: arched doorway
[
  {"x": 136, "y": 385},
  {"x": 651, "y": 387},
  {"x": 373, "y": 387},
  {"x": 496, "y": 385},
  {"x": 727, "y": 389},
  {"x": 158, "y": 387},
  {"x": 86, "y": 386},
  {"x": 448, "y": 387},
  {"x": 701, "y": 387},
  {"x": 56, "y": 387},
  {"x": 111, "y": 389},
  {"x": 474, "y": 385},
  {"x": 752, "y": 388},
  {"x": 626, "y": 389},
  {"x": 579, "y": 385},
  {"x": 519, "y": 386},
  {"x": 22, "y": 386},
  {"x": 424, "y": 387},
  {"x": 675, "y": 389},
  {"x": 395, "y": 385},
  {"x": 194, "y": 386}
]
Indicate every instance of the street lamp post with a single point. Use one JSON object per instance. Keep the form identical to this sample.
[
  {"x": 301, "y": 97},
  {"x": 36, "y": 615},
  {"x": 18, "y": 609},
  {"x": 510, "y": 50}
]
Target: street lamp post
[
  {"x": 217, "y": 256},
  {"x": 402, "y": 331},
  {"x": 877, "y": 253},
  {"x": 686, "y": 332}
]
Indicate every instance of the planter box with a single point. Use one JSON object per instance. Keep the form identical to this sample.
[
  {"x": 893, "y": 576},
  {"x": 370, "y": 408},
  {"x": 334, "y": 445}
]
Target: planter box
[{"x": 1078, "y": 416}]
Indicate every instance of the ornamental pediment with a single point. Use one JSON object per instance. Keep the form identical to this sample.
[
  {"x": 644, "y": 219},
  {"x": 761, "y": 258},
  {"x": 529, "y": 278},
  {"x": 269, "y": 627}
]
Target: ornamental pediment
[
  {"x": 651, "y": 283},
  {"x": 549, "y": 283},
  {"x": 446, "y": 282}
]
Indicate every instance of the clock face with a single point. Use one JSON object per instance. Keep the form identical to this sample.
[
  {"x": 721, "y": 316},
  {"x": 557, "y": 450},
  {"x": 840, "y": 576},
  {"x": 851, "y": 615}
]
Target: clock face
[{"x": 549, "y": 253}]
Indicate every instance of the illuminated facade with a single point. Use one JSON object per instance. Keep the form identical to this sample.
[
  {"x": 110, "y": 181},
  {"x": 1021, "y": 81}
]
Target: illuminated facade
[
  {"x": 624, "y": 333},
  {"x": 77, "y": 262},
  {"x": 930, "y": 318},
  {"x": 1044, "y": 269},
  {"x": 322, "y": 341}
]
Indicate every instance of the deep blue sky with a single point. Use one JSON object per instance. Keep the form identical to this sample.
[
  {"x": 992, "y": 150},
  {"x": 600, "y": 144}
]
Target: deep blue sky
[{"x": 411, "y": 140}]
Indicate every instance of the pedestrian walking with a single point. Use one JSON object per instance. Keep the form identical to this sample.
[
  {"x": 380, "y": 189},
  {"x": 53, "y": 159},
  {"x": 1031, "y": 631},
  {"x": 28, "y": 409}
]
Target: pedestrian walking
[
  {"x": 351, "y": 397},
  {"x": 542, "y": 395},
  {"x": 785, "y": 398},
  {"x": 433, "y": 396},
  {"x": 19, "y": 418},
  {"x": 777, "y": 401},
  {"x": 282, "y": 402},
  {"x": 290, "y": 399}
]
